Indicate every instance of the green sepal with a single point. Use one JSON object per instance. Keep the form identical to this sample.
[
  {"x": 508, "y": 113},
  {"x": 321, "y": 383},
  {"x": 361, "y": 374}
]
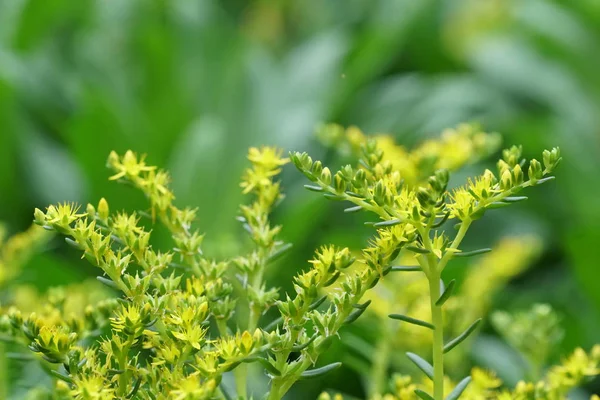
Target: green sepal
[
  {"x": 421, "y": 364},
  {"x": 462, "y": 385},
  {"x": 472, "y": 253},
  {"x": 458, "y": 340},
  {"x": 318, "y": 372},
  {"x": 411, "y": 320},
  {"x": 447, "y": 293},
  {"x": 424, "y": 395}
]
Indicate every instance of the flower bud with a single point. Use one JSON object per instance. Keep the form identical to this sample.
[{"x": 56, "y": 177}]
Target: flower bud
[
  {"x": 517, "y": 175},
  {"x": 103, "y": 210},
  {"x": 39, "y": 217},
  {"x": 506, "y": 180},
  {"x": 326, "y": 176},
  {"x": 535, "y": 170}
]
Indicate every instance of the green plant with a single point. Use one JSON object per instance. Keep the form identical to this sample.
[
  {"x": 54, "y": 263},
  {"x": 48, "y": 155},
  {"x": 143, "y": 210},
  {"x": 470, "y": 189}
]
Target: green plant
[
  {"x": 417, "y": 212},
  {"x": 182, "y": 321}
]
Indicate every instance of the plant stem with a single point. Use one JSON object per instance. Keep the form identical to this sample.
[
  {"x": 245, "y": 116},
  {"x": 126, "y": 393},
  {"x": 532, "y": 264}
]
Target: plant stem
[
  {"x": 381, "y": 361},
  {"x": 438, "y": 337}
]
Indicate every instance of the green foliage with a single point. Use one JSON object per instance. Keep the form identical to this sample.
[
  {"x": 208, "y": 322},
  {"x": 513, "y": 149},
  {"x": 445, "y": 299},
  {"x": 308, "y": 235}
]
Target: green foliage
[{"x": 169, "y": 334}]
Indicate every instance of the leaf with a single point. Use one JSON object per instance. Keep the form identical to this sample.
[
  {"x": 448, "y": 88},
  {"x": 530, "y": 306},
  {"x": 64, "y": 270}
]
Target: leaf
[
  {"x": 391, "y": 222},
  {"x": 405, "y": 268},
  {"x": 441, "y": 221},
  {"x": 447, "y": 293},
  {"x": 353, "y": 209},
  {"x": 313, "y": 188},
  {"x": 514, "y": 199},
  {"x": 456, "y": 341},
  {"x": 424, "y": 395},
  {"x": 543, "y": 180},
  {"x": 353, "y": 316},
  {"x": 318, "y": 372},
  {"x": 268, "y": 366},
  {"x": 472, "y": 253},
  {"x": 462, "y": 385},
  {"x": 422, "y": 364},
  {"x": 107, "y": 282},
  {"x": 61, "y": 376},
  {"x": 280, "y": 252},
  {"x": 411, "y": 320},
  {"x": 419, "y": 250}
]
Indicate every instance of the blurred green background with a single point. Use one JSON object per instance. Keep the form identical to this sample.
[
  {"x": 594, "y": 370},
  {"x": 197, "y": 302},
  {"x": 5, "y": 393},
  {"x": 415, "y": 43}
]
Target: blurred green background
[{"x": 194, "y": 83}]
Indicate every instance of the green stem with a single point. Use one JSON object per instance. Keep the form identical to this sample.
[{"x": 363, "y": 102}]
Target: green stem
[
  {"x": 438, "y": 337},
  {"x": 381, "y": 361},
  {"x": 3, "y": 372}
]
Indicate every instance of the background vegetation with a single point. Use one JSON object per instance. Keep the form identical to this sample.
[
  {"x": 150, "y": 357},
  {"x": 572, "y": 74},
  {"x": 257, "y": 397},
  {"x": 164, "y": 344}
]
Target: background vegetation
[{"x": 195, "y": 83}]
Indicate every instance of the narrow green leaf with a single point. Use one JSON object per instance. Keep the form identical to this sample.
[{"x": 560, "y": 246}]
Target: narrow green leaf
[
  {"x": 447, "y": 293},
  {"x": 135, "y": 389},
  {"x": 458, "y": 340},
  {"x": 514, "y": 199},
  {"x": 107, "y": 282},
  {"x": 462, "y": 385},
  {"x": 301, "y": 347},
  {"x": 353, "y": 316},
  {"x": 280, "y": 252},
  {"x": 405, "y": 268},
  {"x": 353, "y": 194},
  {"x": 419, "y": 250},
  {"x": 61, "y": 376},
  {"x": 472, "y": 253},
  {"x": 363, "y": 305},
  {"x": 334, "y": 197},
  {"x": 318, "y": 372},
  {"x": 273, "y": 324},
  {"x": 313, "y": 188},
  {"x": 317, "y": 303},
  {"x": 543, "y": 180},
  {"x": 353, "y": 209},
  {"x": 391, "y": 222},
  {"x": 498, "y": 204},
  {"x": 268, "y": 366},
  {"x": 73, "y": 243},
  {"x": 410, "y": 320},
  {"x": 441, "y": 221},
  {"x": 423, "y": 395},
  {"x": 422, "y": 364}
]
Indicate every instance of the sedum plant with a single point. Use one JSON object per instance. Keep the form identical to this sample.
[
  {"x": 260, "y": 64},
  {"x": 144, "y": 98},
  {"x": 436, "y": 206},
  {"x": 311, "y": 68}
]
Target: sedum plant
[
  {"x": 180, "y": 322},
  {"x": 418, "y": 211}
]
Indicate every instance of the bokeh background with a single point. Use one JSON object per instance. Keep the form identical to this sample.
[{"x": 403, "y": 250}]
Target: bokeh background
[{"x": 194, "y": 83}]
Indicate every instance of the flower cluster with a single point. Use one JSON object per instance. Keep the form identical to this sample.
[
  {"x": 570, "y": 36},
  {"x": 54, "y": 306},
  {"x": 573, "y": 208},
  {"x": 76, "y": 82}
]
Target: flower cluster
[
  {"x": 420, "y": 206},
  {"x": 555, "y": 385}
]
